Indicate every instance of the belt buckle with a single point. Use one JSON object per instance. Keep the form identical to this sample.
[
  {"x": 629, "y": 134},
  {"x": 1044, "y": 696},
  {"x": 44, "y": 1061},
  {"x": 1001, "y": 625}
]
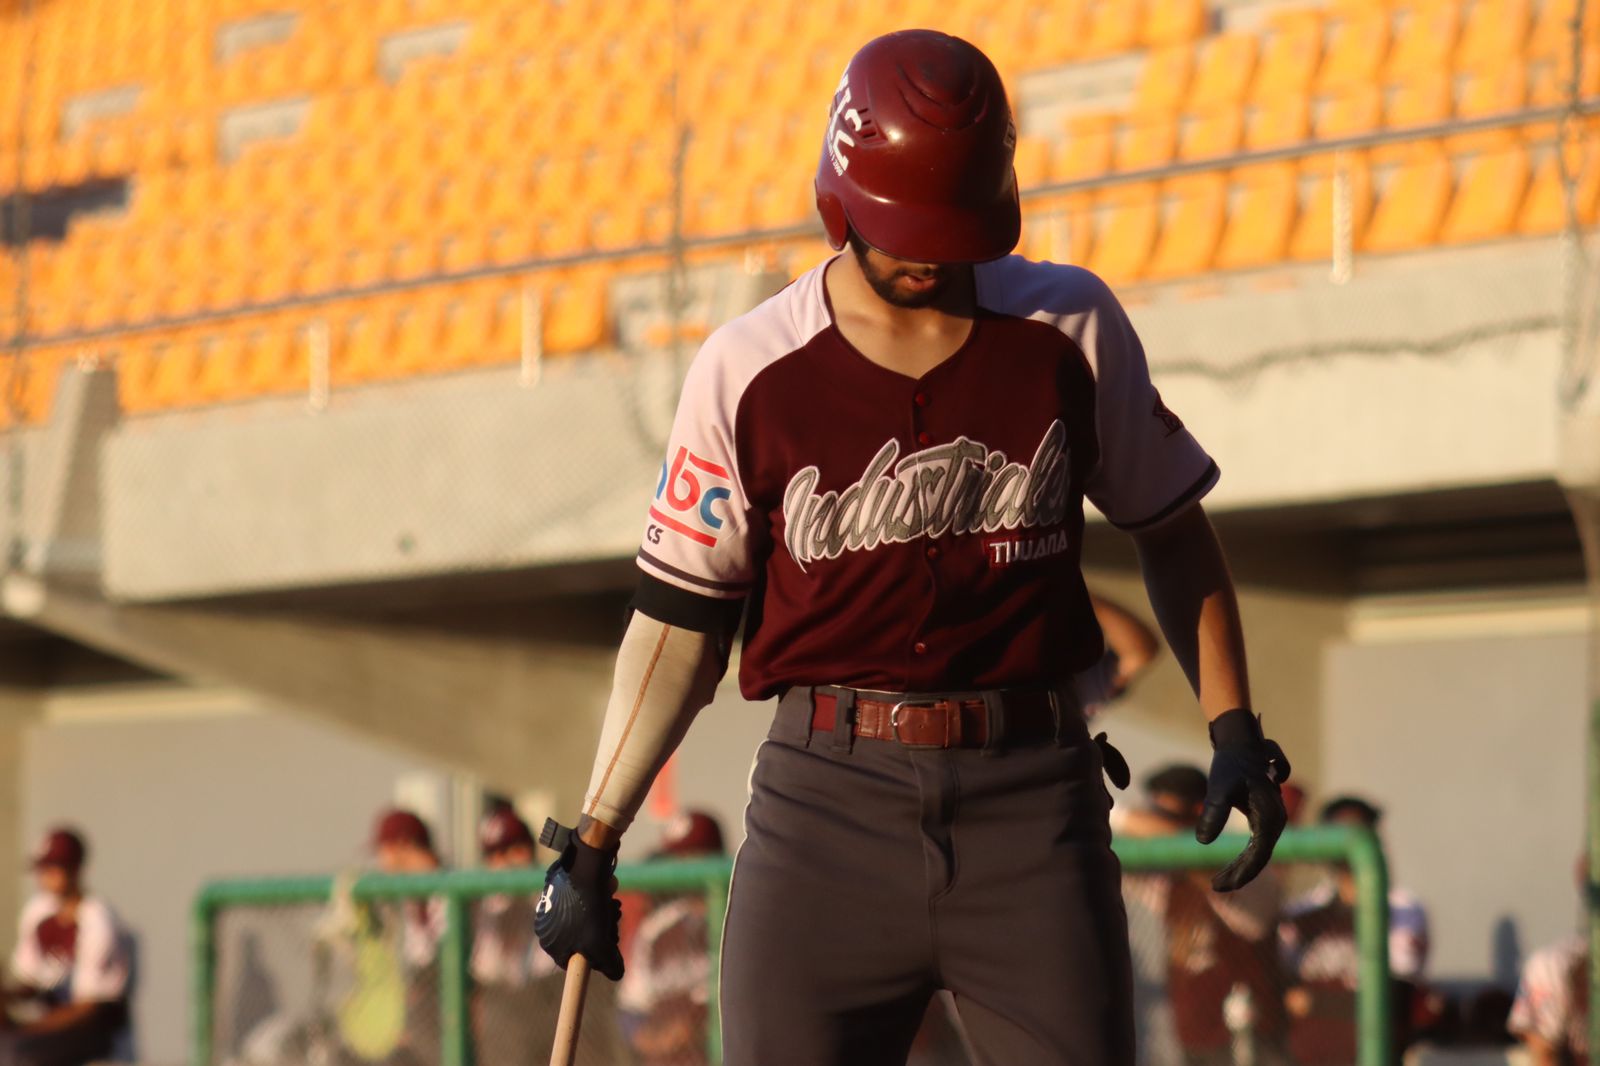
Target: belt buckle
[{"x": 894, "y": 721}]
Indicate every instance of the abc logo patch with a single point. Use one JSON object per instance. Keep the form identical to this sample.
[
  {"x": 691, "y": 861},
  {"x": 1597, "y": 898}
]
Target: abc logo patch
[{"x": 686, "y": 496}]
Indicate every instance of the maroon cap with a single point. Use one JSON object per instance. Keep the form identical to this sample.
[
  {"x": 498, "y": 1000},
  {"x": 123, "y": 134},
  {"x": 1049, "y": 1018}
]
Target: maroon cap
[
  {"x": 692, "y": 833},
  {"x": 502, "y": 829},
  {"x": 61, "y": 847},
  {"x": 397, "y": 826},
  {"x": 917, "y": 159}
]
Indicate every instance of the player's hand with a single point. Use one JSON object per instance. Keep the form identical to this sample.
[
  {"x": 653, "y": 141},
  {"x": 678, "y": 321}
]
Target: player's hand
[
  {"x": 1246, "y": 772},
  {"x": 578, "y": 912}
]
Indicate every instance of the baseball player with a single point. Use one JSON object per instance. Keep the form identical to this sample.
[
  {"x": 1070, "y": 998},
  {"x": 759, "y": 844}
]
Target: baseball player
[{"x": 883, "y": 466}]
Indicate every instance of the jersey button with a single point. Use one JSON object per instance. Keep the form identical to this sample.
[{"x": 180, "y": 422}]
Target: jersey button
[
  {"x": 933, "y": 551},
  {"x": 920, "y": 399},
  {"x": 920, "y": 648},
  {"x": 924, "y": 437}
]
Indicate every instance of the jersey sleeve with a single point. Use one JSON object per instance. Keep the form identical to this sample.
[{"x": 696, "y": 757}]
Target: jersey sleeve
[
  {"x": 100, "y": 965},
  {"x": 27, "y": 962},
  {"x": 697, "y": 536},
  {"x": 1150, "y": 466}
]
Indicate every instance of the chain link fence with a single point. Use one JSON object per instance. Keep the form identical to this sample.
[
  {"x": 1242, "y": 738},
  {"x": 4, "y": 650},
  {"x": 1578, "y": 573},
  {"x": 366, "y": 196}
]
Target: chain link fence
[{"x": 358, "y": 971}]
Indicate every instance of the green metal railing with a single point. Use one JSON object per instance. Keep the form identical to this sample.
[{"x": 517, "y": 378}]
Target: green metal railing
[{"x": 1358, "y": 849}]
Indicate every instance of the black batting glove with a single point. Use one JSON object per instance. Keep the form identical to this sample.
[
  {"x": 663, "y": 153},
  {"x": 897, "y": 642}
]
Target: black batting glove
[
  {"x": 578, "y": 912},
  {"x": 1246, "y": 772}
]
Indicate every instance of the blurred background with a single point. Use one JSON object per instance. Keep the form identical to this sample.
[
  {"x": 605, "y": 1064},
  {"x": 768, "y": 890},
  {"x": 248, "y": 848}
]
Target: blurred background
[{"x": 340, "y": 341}]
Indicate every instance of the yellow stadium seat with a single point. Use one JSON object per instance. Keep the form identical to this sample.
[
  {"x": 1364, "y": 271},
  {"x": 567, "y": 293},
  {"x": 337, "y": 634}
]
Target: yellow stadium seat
[
  {"x": 1313, "y": 232},
  {"x": 174, "y": 375},
  {"x": 1171, "y": 21},
  {"x": 362, "y": 345},
  {"x": 1412, "y": 205},
  {"x": 620, "y": 225},
  {"x": 1057, "y": 34},
  {"x": 1164, "y": 79},
  {"x": 366, "y": 267},
  {"x": 419, "y": 333},
  {"x": 1277, "y": 123},
  {"x": 1422, "y": 101},
  {"x": 1223, "y": 70},
  {"x": 276, "y": 360},
  {"x": 1289, "y": 55},
  {"x": 1544, "y": 210},
  {"x": 1356, "y": 49},
  {"x": 1552, "y": 34},
  {"x": 1425, "y": 39},
  {"x": 220, "y": 375},
  {"x": 1357, "y": 110},
  {"x": 772, "y": 204},
  {"x": 466, "y": 329},
  {"x": 513, "y": 242},
  {"x": 1551, "y": 78},
  {"x": 465, "y": 250},
  {"x": 575, "y": 315},
  {"x": 1262, "y": 218},
  {"x": 1146, "y": 141},
  {"x": 1060, "y": 230},
  {"x": 1209, "y": 134},
  {"x": 1112, "y": 26},
  {"x": 1488, "y": 196},
  {"x": 1086, "y": 151},
  {"x": 1494, "y": 90},
  {"x": 135, "y": 365},
  {"x": 1193, "y": 227},
  {"x": 417, "y": 258},
  {"x": 1032, "y": 161},
  {"x": 1126, "y": 232},
  {"x": 1494, "y": 33}
]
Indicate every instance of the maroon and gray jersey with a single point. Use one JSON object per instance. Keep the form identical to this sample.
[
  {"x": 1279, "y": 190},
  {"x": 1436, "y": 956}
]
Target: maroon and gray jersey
[{"x": 904, "y": 534}]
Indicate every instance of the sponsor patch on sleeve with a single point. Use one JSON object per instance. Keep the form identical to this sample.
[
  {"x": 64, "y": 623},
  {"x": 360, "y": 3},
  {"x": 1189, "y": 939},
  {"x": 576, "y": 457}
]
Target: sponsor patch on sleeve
[{"x": 687, "y": 497}]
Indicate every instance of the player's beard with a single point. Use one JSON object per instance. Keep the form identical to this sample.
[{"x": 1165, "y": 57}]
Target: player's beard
[{"x": 887, "y": 283}]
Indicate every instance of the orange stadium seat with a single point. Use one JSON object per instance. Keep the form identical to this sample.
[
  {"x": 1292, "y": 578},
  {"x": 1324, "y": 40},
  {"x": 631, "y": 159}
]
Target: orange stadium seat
[
  {"x": 418, "y": 325},
  {"x": 1494, "y": 90},
  {"x": 1277, "y": 123},
  {"x": 1222, "y": 71},
  {"x": 1488, "y": 196},
  {"x": 1111, "y": 26},
  {"x": 1059, "y": 230},
  {"x": 276, "y": 360},
  {"x": 1356, "y": 47},
  {"x": 1193, "y": 226},
  {"x": 1146, "y": 141},
  {"x": 1411, "y": 206},
  {"x": 1164, "y": 79},
  {"x": 1425, "y": 39},
  {"x": 575, "y": 314},
  {"x": 1262, "y": 218},
  {"x": 1032, "y": 161},
  {"x": 1208, "y": 134},
  {"x": 362, "y": 345},
  {"x": 466, "y": 328},
  {"x": 220, "y": 373},
  {"x": 174, "y": 373},
  {"x": 1494, "y": 32},
  {"x": 1552, "y": 34},
  {"x": 1289, "y": 55},
  {"x": 1171, "y": 21},
  {"x": 1313, "y": 232},
  {"x": 1086, "y": 151},
  {"x": 1422, "y": 101},
  {"x": 1128, "y": 217},
  {"x": 1544, "y": 210},
  {"x": 1357, "y": 110}
]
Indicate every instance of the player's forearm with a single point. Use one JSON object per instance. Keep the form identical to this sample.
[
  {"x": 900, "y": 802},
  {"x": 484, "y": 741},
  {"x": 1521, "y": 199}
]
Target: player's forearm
[
  {"x": 664, "y": 676},
  {"x": 1192, "y": 593}
]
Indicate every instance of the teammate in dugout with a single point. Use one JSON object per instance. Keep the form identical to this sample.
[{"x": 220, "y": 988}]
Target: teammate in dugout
[{"x": 884, "y": 466}]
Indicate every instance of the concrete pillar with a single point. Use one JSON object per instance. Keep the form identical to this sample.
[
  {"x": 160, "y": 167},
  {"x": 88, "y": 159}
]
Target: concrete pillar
[{"x": 17, "y": 710}]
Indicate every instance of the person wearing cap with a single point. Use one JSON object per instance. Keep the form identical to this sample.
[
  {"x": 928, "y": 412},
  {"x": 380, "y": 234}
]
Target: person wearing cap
[
  {"x": 402, "y": 843},
  {"x": 1318, "y": 938},
  {"x": 1130, "y": 649},
  {"x": 1217, "y": 945},
  {"x": 664, "y": 994},
  {"x": 1550, "y": 1014},
  {"x": 882, "y": 470},
  {"x": 72, "y": 965}
]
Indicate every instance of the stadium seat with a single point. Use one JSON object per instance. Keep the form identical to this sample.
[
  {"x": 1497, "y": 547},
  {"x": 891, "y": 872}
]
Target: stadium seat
[
  {"x": 1193, "y": 225},
  {"x": 1422, "y": 101},
  {"x": 361, "y": 345},
  {"x": 276, "y": 360},
  {"x": 1289, "y": 55},
  {"x": 1147, "y": 140},
  {"x": 1544, "y": 210},
  {"x": 1494, "y": 33},
  {"x": 1087, "y": 149},
  {"x": 1313, "y": 232},
  {"x": 418, "y": 333},
  {"x": 1172, "y": 21},
  {"x": 1262, "y": 218},
  {"x": 220, "y": 371},
  {"x": 1278, "y": 123},
  {"x": 575, "y": 314},
  {"x": 174, "y": 373},
  {"x": 1488, "y": 196},
  {"x": 1208, "y": 134},
  {"x": 1552, "y": 35},
  {"x": 1412, "y": 204},
  {"x": 1424, "y": 41},
  {"x": 1127, "y": 219},
  {"x": 1356, "y": 48},
  {"x": 1111, "y": 26},
  {"x": 1164, "y": 79},
  {"x": 1357, "y": 110},
  {"x": 1223, "y": 70},
  {"x": 1032, "y": 162},
  {"x": 1059, "y": 230}
]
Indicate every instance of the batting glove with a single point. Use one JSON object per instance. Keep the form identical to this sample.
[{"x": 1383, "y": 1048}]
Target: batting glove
[
  {"x": 1246, "y": 772},
  {"x": 578, "y": 913}
]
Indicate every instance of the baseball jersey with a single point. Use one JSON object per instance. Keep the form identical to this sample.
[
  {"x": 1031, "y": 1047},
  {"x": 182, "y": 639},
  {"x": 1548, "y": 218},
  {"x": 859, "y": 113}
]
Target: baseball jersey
[
  {"x": 903, "y": 534},
  {"x": 83, "y": 962}
]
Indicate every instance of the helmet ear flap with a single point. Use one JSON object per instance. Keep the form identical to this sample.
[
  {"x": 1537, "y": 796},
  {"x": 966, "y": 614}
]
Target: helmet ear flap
[{"x": 834, "y": 221}]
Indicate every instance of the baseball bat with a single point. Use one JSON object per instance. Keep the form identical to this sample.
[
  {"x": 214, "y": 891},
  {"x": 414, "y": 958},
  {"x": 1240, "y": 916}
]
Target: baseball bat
[{"x": 565, "y": 1050}]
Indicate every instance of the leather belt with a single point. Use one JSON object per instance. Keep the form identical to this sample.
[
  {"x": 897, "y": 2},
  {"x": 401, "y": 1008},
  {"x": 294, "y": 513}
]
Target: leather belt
[{"x": 934, "y": 720}]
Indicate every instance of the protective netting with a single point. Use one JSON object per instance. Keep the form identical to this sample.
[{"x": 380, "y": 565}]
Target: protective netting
[{"x": 1257, "y": 979}]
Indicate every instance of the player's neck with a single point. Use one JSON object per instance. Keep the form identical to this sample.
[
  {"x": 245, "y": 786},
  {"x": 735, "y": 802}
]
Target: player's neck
[{"x": 907, "y": 340}]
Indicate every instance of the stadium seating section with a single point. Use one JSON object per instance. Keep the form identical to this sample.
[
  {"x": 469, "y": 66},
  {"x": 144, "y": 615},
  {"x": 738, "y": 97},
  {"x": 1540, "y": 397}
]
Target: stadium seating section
[{"x": 403, "y": 187}]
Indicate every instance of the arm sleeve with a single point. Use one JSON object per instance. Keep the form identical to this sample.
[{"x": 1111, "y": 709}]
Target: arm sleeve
[
  {"x": 664, "y": 675},
  {"x": 698, "y": 536},
  {"x": 1150, "y": 466}
]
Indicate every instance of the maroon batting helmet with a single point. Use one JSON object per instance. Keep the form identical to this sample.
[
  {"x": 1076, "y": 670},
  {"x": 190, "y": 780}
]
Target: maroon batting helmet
[{"x": 917, "y": 158}]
